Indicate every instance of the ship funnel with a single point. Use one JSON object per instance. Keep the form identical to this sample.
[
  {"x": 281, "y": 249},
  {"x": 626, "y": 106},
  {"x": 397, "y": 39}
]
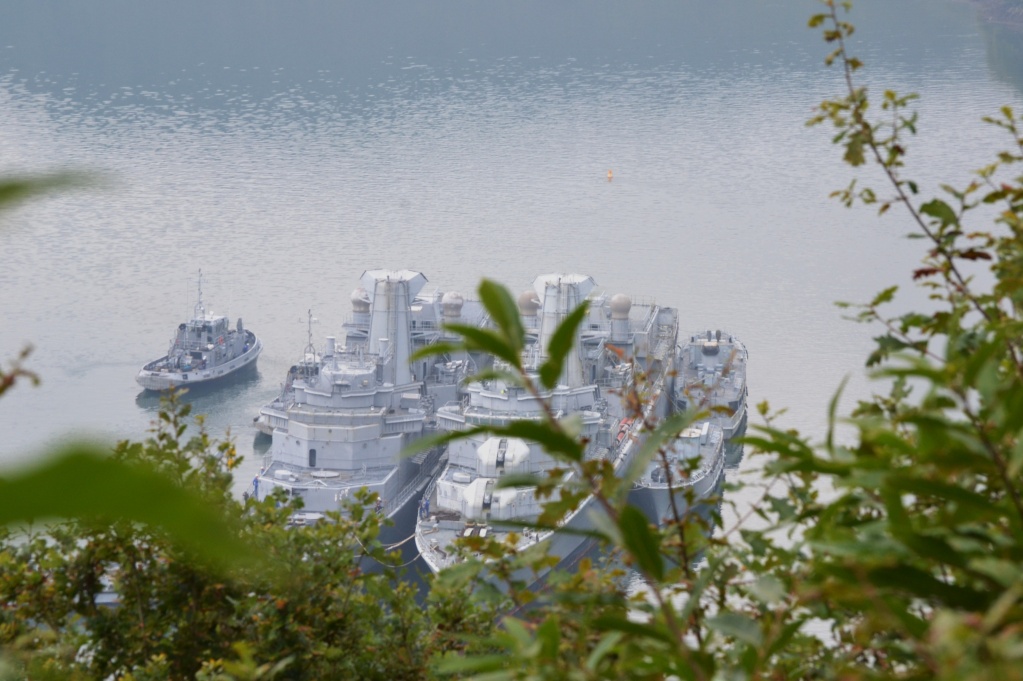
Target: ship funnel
[
  {"x": 331, "y": 346},
  {"x": 391, "y": 293},
  {"x": 559, "y": 294}
]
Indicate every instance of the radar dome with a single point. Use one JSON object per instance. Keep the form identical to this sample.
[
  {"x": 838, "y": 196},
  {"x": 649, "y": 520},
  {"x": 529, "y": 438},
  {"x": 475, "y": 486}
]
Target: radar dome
[
  {"x": 528, "y": 303},
  {"x": 620, "y": 306},
  {"x": 452, "y": 303},
  {"x": 360, "y": 300}
]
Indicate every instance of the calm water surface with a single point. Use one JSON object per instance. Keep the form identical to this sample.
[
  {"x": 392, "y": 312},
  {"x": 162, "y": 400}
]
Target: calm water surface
[{"x": 284, "y": 153}]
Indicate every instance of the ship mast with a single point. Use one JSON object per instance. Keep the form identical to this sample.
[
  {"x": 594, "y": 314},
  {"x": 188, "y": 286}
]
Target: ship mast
[
  {"x": 199, "y": 311},
  {"x": 310, "y": 349}
]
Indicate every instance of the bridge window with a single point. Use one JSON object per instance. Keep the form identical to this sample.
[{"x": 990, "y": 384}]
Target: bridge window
[{"x": 312, "y": 458}]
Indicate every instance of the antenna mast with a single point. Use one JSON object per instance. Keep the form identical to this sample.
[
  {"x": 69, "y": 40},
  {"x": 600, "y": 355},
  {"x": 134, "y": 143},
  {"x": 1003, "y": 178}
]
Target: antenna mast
[{"x": 200, "y": 311}]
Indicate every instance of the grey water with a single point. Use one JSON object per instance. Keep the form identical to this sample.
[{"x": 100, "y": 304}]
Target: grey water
[{"x": 284, "y": 148}]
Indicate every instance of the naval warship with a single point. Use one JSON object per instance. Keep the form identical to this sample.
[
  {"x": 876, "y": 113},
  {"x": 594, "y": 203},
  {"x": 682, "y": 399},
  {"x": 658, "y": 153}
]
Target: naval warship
[
  {"x": 346, "y": 413},
  {"x": 712, "y": 378},
  {"x": 620, "y": 341}
]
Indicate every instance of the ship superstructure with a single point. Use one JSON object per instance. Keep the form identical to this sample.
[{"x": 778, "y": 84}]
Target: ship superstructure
[
  {"x": 346, "y": 413},
  {"x": 620, "y": 340}
]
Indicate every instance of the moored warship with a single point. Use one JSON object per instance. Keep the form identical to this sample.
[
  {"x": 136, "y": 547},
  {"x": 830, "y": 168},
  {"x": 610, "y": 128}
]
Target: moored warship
[
  {"x": 711, "y": 381},
  {"x": 345, "y": 414},
  {"x": 620, "y": 340},
  {"x": 687, "y": 480},
  {"x": 712, "y": 377}
]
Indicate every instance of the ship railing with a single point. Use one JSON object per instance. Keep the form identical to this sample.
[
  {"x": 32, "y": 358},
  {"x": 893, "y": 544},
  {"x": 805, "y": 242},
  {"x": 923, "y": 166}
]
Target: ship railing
[
  {"x": 318, "y": 418},
  {"x": 614, "y": 383},
  {"x": 643, "y": 300},
  {"x": 663, "y": 348},
  {"x": 407, "y": 425},
  {"x": 349, "y": 320},
  {"x": 451, "y": 423}
]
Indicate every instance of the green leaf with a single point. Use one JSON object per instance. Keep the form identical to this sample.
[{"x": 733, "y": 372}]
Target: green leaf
[
  {"x": 767, "y": 589},
  {"x": 1016, "y": 459},
  {"x": 561, "y": 344},
  {"x": 518, "y": 480},
  {"x": 854, "y": 149},
  {"x": 517, "y": 631},
  {"x": 1005, "y": 572},
  {"x": 505, "y": 313},
  {"x": 517, "y": 524},
  {"x": 82, "y": 482},
  {"x": 783, "y": 639},
  {"x": 14, "y": 190},
  {"x": 487, "y": 340},
  {"x": 914, "y": 581},
  {"x": 549, "y": 635},
  {"x": 554, "y": 442},
  {"x": 438, "y": 440},
  {"x": 456, "y": 664},
  {"x": 978, "y": 504},
  {"x": 631, "y": 628},
  {"x": 641, "y": 542},
  {"x": 603, "y": 648},
  {"x": 737, "y": 626},
  {"x": 884, "y": 296},
  {"x": 940, "y": 210}
]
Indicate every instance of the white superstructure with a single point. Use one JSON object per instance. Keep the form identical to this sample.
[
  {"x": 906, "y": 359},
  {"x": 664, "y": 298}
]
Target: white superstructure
[
  {"x": 346, "y": 413},
  {"x": 618, "y": 339}
]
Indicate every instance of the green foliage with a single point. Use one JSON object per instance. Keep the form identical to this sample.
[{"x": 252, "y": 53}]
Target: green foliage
[
  {"x": 13, "y": 190},
  {"x": 84, "y": 482},
  {"x": 334, "y": 608},
  {"x": 893, "y": 552}
]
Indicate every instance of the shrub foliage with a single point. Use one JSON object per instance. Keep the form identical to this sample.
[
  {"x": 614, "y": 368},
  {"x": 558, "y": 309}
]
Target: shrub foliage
[{"x": 895, "y": 552}]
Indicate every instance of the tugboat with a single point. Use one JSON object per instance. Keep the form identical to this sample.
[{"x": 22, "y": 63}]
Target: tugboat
[{"x": 204, "y": 349}]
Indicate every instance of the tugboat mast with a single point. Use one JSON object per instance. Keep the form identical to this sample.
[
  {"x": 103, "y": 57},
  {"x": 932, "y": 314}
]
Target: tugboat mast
[{"x": 199, "y": 310}]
